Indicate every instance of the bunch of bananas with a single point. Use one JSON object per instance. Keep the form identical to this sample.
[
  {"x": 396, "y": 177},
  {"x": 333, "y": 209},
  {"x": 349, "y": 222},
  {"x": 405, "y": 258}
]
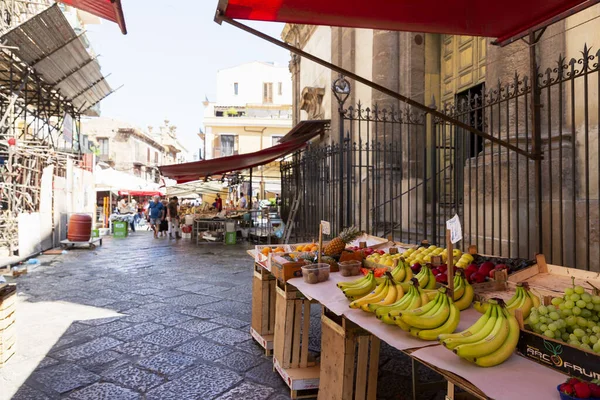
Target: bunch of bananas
[
  {"x": 358, "y": 288},
  {"x": 402, "y": 272},
  {"x": 463, "y": 291},
  {"x": 385, "y": 294},
  {"x": 426, "y": 278},
  {"x": 489, "y": 341},
  {"x": 523, "y": 299},
  {"x": 414, "y": 297},
  {"x": 435, "y": 318}
]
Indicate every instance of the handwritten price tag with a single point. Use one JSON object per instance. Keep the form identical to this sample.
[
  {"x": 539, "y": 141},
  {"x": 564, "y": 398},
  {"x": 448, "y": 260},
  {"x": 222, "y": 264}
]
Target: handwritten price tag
[
  {"x": 325, "y": 228},
  {"x": 453, "y": 225}
]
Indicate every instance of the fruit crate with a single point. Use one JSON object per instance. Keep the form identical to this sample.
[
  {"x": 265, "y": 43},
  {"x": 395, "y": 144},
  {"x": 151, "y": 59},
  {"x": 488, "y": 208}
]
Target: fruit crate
[
  {"x": 557, "y": 355},
  {"x": 259, "y": 257},
  {"x": 349, "y": 359},
  {"x": 263, "y": 308},
  {"x": 291, "y": 358}
]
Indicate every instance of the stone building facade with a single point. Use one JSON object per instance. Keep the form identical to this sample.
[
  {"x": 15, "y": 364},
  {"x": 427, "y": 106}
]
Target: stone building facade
[{"x": 490, "y": 88}]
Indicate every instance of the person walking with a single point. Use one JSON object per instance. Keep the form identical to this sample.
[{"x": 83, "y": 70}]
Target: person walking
[
  {"x": 243, "y": 203},
  {"x": 164, "y": 224},
  {"x": 156, "y": 211},
  {"x": 219, "y": 203},
  {"x": 173, "y": 218}
]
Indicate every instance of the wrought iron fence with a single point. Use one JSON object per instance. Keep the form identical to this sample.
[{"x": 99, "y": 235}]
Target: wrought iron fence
[{"x": 404, "y": 173}]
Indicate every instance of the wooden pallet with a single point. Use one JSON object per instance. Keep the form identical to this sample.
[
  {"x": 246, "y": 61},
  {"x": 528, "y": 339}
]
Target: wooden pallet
[
  {"x": 349, "y": 360},
  {"x": 263, "y": 308},
  {"x": 303, "y": 382}
]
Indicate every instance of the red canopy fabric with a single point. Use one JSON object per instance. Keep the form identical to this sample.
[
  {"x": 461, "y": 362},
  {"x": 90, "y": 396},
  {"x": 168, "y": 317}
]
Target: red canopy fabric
[
  {"x": 139, "y": 193},
  {"x": 108, "y": 9},
  {"x": 497, "y": 19},
  {"x": 294, "y": 140}
]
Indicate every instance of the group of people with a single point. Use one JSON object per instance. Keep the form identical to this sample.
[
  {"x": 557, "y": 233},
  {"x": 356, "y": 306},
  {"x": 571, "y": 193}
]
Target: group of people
[{"x": 164, "y": 217}]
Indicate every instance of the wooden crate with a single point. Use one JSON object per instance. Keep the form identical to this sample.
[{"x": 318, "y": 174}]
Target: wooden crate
[
  {"x": 263, "y": 308},
  {"x": 349, "y": 360},
  {"x": 291, "y": 340}
]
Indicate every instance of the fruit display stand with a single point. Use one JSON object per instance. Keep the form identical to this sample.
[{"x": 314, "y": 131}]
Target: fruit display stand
[{"x": 263, "y": 308}]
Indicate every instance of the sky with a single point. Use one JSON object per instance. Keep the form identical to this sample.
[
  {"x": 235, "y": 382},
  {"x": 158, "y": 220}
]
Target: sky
[{"x": 169, "y": 60}]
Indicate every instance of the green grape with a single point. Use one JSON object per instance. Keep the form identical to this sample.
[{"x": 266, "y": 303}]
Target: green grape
[
  {"x": 564, "y": 336},
  {"x": 572, "y": 320},
  {"x": 585, "y": 313},
  {"x": 581, "y": 321},
  {"x": 596, "y": 329},
  {"x": 576, "y": 310},
  {"x": 552, "y": 327},
  {"x": 556, "y": 301},
  {"x": 579, "y": 290},
  {"x": 549, "y": 333},
  {"x": 569, "y": 291},
  {"x": 596, "y": 299},
  {"x": 534, "y": 318},
  {"x": 572, "y": 337},
  {"x": 574, "y": 297},
  {"x": 585, "y": 346},
  {"x": 554, "y": 316},
  {"x": 590, "y": 306},
  {"x": 574, "y": 343},
  {"x": 567, "y": 311},
  {"x": 543, "y": 310},
  {"x": 544, "y": 320},
  {"x": 580, "y": 303},
  {"x": 536, "y": 327},
  {"x": 569, "y": 304},
  {"x": 550, "y": 308},
  {"x": 597, "y": 347},
  {"x": 562, "y": 306},
  {"x": 597, "y": 308},
  {"x": 586, "y": 297},
  {"x": 543, "y": 327},
  {"x": 593, "y": 339},
  {"x": 579, "y": 333},
  {"x": 585, "y": 339},
  {"x": 595, "y": 318}
]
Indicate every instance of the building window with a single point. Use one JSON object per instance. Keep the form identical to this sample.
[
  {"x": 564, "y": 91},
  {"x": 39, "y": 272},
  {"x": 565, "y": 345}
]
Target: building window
[
  {"x": 275, "y": 139},
  {"x": 235, "y": 88},
  {"x": 103, "y": 146},
  {"x": 148, "y": 154},
  {"x": 156, "y": 157},
  {"x": 267, "y": 92},
  {"x": 227, "y": 145},
  {"x": 280, "y": 88},
  {"x": 218, "y": 113}
]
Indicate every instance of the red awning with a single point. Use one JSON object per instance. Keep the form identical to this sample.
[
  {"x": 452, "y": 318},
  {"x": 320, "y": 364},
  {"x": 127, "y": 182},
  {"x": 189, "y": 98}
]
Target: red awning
[
  {"x": 496, "y": 19},
  {"x": 139, "y": 193},
  {"x": 294, "y": 140},
  {"x": 108, "y": 9}
]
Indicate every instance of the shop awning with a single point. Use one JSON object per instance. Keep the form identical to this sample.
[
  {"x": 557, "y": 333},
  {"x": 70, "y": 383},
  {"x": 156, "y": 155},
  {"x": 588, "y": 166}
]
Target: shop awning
[
  {"x": 139, "y": 193},
  {"x": 296, "y": 139},
  {"x": 110, "y": 10},
  {"x": 497, "y": 19}
]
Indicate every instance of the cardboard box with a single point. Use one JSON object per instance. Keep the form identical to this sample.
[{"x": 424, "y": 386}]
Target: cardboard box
[
  {"x": 284, "y": 270},
  {"x": 559, "y": 356}
]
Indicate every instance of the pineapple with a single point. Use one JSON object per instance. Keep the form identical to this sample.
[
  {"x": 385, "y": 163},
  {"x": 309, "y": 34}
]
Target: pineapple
[{"x": 339, "y": 243}]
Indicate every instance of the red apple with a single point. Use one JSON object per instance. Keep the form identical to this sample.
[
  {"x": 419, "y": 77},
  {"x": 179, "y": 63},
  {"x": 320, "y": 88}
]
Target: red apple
[
  {"x": 485, "y": 268},
  {"x": 472, "y": 268},
  {"x": 477, "y": 277},
  {"x": 381, "y": 252},
  {"x": 442, "y": 268},
  {"x": 435, "y": 271},
  {"x": 416, "y": 267},
  {"x": 442, "y": 278},
  {"x": 468, "y": 274},
  {"x": 500, "y": 267}
]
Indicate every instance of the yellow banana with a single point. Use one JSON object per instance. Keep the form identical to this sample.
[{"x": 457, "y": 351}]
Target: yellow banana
[
  {"x": 431, "y": 294},
  {"x": 399, "y": 273},
  {"x": 356, "y": 282},
  {"x": 422, "y": 277},
  {"x": 467, "y": 298},
  {"x": 459, "y": 287},
  {"x": 378, "y": 294},
  {"x": 409, "y": 273},
  {"x": 381, "y": 310},
  {"x": 473, "y": 329},
  {"x": 481, "y": 307},
  {"x": 424, "y": 309},
  {"x": 431, "y": 282},
  {"x": 362, "y": 290},
  {"x": 447, "y": 327},
  {"x": 507, "y": 348},
  {"x": 428, "y": 321},
  {"x": 524, "y": 304},
  {"x": 534, "y": 298},
  {"x": 516, "y": 297},
  {"x": 489, "y": 344},
  {"x": 424, "y": 297},
  {"x": 390, "y": 297}
]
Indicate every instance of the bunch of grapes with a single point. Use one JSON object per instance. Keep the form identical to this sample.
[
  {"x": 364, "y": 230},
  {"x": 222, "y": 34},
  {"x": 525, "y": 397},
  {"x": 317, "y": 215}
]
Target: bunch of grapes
[{"x": 573, "y": 318}]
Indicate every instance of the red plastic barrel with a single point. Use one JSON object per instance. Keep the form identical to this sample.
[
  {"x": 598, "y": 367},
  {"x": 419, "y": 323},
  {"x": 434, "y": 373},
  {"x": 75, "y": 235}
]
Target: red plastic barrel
[{"x": 80, "y": 228}]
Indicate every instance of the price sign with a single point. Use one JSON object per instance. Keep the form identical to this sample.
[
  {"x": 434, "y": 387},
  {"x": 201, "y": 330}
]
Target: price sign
[
  {"x": 325, "y": 228},
  {"x": 453, "y": 225}
]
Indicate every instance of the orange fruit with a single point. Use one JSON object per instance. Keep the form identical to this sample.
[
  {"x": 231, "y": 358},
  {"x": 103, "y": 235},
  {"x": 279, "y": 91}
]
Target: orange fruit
[{"x": 300, "y": 248}]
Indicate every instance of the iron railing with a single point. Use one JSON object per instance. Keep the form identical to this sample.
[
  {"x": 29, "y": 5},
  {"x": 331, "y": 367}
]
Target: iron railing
[{"x": 404, "y": 173}]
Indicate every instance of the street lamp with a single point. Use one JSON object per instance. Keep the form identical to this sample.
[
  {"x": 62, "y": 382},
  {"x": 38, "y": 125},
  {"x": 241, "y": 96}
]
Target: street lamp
[{"x": 341, "y": 90}]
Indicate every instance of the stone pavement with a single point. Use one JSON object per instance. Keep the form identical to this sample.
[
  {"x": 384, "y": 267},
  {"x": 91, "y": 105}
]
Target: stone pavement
[{"x": 152, "y": 319}]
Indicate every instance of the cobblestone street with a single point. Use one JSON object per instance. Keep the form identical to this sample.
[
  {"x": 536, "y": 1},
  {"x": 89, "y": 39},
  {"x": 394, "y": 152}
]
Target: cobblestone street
[{"x": 144, "y": 318}]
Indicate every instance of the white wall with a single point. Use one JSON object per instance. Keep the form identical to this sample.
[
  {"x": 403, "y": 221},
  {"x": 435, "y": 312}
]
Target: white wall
[
  {"x": 250, "y": 78},
  {"x": 313, "y": 74}
]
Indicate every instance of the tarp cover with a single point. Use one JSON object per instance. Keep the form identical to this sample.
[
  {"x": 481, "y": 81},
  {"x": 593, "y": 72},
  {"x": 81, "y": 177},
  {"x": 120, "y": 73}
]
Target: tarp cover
[
  {"x": 293, "y": 141},
  {"x": 497, "y": 19}
]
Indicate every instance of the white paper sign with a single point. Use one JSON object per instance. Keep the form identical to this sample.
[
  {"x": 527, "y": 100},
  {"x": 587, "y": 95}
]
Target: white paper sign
[
  {"x": 453, "y": 225},
  {"x": 325, "y": 228}
]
